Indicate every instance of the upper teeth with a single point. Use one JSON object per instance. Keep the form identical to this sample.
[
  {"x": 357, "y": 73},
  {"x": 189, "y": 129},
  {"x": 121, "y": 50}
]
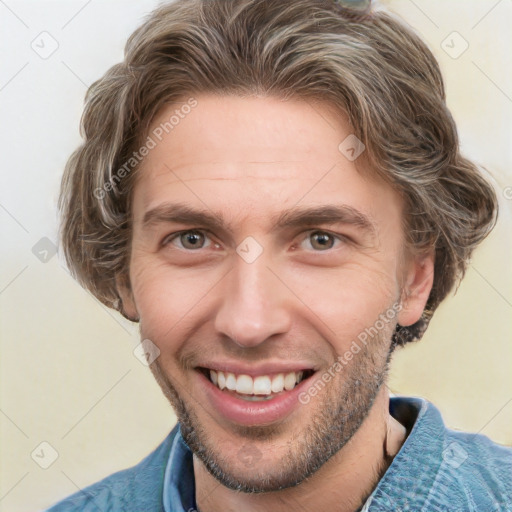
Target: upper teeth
[{"x": 261, "y": 385}]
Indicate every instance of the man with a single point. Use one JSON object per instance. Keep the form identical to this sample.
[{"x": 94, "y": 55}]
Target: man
[{"x": 274, "y": 191}]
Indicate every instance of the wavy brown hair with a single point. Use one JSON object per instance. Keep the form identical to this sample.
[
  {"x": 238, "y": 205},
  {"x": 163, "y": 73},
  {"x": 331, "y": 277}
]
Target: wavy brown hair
[{"x": 369, "y": 65}]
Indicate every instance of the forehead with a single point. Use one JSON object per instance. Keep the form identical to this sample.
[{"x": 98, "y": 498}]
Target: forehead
[{"x": 256, "y": 155}]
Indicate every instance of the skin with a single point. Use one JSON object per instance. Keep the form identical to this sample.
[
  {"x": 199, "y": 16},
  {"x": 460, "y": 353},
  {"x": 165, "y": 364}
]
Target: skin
[{"x": 247, "y": 160}]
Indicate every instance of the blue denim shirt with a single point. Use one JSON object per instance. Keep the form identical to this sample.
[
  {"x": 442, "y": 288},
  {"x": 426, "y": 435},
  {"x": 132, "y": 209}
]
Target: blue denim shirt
[{"x": 436, "y": 470}]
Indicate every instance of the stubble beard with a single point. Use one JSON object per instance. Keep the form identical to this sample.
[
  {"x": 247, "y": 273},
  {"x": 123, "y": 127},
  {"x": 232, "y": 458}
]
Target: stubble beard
[{"x": 347, "y": 401}]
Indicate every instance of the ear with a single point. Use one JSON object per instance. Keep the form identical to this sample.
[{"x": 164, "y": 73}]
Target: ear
[
  {"x": 128, "y": 308},
  {"x": 419, "y": 278}
]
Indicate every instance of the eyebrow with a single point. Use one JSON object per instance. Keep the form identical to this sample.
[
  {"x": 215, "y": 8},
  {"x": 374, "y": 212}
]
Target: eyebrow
[{"x": 296, "y": 217}]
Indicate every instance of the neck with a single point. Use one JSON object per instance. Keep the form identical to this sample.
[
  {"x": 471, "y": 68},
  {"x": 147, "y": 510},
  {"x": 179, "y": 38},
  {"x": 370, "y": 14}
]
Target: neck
[{"x": 343, "y": 483}]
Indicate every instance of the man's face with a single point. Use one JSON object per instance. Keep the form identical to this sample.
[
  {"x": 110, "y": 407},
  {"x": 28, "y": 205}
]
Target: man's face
[{"x": 302, "y": 254}]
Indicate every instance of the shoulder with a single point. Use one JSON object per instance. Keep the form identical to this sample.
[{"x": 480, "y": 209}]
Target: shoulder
[
  {"x": 134, "y": 489},
  {"x": 440, "y": 469},
  {"x": 479, "y": 470}
]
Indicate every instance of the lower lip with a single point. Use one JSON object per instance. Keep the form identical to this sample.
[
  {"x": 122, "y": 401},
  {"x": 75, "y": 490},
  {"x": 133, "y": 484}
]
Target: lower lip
[{"x": 248, "y": 413}]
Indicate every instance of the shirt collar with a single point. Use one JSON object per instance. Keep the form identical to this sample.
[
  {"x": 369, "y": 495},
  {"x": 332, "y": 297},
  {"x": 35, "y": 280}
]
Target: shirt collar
[
  {"x": 408, "y": 481},
  {"x": 179, "y": 486}
]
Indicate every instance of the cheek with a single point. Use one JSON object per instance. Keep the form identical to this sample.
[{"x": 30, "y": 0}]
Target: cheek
[
  {"x": 171, "y": 302},
  {"x": 162, "y": 299},
  {"x": 347, "y": 300}
]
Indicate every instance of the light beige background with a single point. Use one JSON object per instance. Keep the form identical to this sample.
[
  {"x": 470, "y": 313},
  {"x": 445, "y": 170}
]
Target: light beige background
[{"x": 68, "y": 373}]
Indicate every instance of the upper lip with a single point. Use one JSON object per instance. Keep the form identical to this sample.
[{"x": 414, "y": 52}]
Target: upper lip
[{"x": 257, "y": 368}]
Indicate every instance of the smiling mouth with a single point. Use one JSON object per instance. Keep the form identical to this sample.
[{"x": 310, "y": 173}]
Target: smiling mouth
[{"x": 257, "y": 388}]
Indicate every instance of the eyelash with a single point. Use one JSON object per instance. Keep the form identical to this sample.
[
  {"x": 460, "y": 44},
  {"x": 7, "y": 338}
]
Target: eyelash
[{"x": 173, "y": 236}]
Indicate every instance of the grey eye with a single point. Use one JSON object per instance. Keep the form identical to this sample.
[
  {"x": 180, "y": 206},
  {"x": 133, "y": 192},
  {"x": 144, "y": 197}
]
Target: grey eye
[
  {"x": 192, "y": 240},
  {"x": 321, "y": 240}
]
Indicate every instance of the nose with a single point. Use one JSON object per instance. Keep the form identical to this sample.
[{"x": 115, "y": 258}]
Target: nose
[{"x": 253, "y": 306}]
